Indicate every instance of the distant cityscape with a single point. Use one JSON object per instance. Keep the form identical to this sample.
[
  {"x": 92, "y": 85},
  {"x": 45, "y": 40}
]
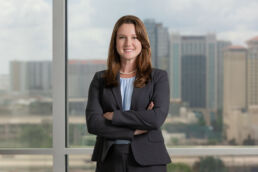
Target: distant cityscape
[{"x": 213, "y": 89}]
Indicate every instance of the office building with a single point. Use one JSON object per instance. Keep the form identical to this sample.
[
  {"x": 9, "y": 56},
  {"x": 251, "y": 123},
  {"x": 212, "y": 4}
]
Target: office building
[
  {"x": 235, "y": 72},
  {"x": 31, "y": 77},
  {"x": 159, "y": 40},
  {"x": 80, "y": 74},
  {"x": 235, "y": 98},
  {"x": 252, "y": 73},
  {"x": 193, "y": 72},
  {"x": 221, "y": 46}
]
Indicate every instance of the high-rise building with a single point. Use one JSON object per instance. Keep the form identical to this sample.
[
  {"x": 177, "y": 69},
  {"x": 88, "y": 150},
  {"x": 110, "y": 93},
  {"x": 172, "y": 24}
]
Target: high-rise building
[
  {"x": 235, "y": 72},
  {"x": 4, "y": 82},
  {"x": 31, "y": 77},
  {"x": 240, "y": 121},
  {"x": 39, "y": 76},
  {"x": 175, "y": 67},
  {"x": 193, "y": 72},
  {"x": 34, "y": 77},
  {"x": 252, "y": 74},
  {"x": 159, "y": 40},
  {"x": 80, "y": 74},
  {"x": 221, "y": 46},
  {"x": 17, "y": 76}
]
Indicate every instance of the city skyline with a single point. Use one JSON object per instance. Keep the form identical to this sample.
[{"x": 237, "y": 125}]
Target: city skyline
[{"x": 26, "y": 34}]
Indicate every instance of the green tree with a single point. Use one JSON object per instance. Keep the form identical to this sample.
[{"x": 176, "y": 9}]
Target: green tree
[
  {"x": 178, "y": 167},
  {"x": 36, "y": 136},
  {"x": 232, "y": 142},
  {"x": 209, "y": 164},
  {"x": 249, "y": 141},
  {"x": 89, "y": 140}
]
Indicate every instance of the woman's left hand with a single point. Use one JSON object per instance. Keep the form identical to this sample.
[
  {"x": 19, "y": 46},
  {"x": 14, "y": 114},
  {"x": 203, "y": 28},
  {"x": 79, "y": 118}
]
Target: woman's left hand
[{"x": 108, "y": 115}]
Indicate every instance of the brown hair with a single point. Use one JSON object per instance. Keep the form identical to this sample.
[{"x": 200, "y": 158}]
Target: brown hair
[{"x": 143, "y": 61}]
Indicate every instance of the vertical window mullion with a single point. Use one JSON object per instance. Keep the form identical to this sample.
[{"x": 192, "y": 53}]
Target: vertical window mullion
[{"x": 59, "y": 85}]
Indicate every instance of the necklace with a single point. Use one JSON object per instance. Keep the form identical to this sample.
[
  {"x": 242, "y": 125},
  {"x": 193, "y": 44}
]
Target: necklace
[{"x": 127, "y": 73}]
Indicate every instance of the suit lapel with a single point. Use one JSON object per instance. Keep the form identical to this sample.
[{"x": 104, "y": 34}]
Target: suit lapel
[
  {"x": 134, "y": 96},
  {"x": 117, "y": 93}
]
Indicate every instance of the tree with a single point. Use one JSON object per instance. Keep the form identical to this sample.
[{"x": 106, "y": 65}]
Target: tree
[
  {"x": 178, "y": 167},
  {"x": 209, "y": 164},
  {"x": 232, "y": 142},
  {"x": 249, "y": 141},
  {"x": 36, "y": 136}
]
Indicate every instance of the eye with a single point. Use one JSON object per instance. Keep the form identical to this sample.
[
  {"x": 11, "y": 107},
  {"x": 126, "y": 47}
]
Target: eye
[
  {"x": 135, "y": 37},
  {"x": 121, "y": 37}
]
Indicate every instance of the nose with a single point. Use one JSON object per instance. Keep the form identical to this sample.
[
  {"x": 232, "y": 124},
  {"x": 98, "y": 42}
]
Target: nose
[{"x": 128, "y": 41}]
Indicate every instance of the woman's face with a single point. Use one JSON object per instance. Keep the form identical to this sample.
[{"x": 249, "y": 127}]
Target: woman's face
[{"x": 127, "y": 44}]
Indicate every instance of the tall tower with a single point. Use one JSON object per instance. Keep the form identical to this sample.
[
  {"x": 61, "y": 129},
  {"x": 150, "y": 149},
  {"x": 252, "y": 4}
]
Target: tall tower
[
  {"x": 31, "y": 77},
  {"x": 235, "y": 116},
  {"x": 159, "y": 40},
  {"x": 252, "y": 74},
  {"x": 235, "y": 73},
  {"x": 193, "y": 72},
  {"x": 80, "y": 74},
  {"x": 175, "y": 66},
  {"x": 221, "y": 46}
]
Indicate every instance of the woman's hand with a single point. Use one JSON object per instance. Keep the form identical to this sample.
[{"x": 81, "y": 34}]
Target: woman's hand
[
  {"x": 108, "y": 115},
  {"x": 150, "y": 106},
  {"x": 138, "y": 132}
]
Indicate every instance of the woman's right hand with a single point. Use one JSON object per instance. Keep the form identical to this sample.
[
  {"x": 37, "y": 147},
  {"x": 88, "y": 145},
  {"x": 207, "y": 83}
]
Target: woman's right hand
[{"x": 138, "y": 132}]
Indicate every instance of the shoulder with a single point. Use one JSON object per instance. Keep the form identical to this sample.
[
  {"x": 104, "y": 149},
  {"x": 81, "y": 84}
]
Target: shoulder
[
  {"x": 99, "y": 74},
  {"x": 158, "y": 74},
  {"x": 98, "y": 78}
]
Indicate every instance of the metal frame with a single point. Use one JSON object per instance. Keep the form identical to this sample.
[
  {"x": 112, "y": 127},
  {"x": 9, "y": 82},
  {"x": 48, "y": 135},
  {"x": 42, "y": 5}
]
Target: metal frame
[
  {"x": 194, "y": 151},
  {"x": 60, "y": 150},
  {"x": 59, "y": 85}
]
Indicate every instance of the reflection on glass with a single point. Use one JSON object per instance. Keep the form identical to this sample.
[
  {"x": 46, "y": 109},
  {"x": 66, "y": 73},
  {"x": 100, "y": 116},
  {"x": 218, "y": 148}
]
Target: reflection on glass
[
  {"x": 26, "y": 74},
  {"x": 26, "y": 163},
  {"x": 213, "y": 82},
  {"x": 78, "y": 163}
]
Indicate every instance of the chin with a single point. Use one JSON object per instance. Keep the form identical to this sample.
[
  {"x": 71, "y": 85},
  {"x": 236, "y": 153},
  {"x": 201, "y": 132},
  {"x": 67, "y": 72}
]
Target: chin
[{"x": 129, "y": 58}]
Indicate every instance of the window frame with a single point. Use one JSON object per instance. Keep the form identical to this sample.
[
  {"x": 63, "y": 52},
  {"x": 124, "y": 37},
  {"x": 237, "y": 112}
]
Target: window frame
[{"x": 60, "y": 150}]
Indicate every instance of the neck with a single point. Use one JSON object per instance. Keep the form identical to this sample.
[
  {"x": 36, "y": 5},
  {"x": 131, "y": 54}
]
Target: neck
[
  {"x": 127, "y": 67},
  {"x": 127, "y": 73}
]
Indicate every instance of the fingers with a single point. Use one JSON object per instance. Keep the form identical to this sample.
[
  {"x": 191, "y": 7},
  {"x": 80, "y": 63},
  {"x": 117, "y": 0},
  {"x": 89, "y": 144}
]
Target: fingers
[
  {"x": 108, "y": 115},
  {"x": 138, "y": 132},
  {"x": 151, "y": 105}
]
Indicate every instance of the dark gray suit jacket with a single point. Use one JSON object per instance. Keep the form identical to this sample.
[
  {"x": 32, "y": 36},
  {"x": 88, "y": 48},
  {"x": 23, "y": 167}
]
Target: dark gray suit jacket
[{"x": 148, "y": 148}]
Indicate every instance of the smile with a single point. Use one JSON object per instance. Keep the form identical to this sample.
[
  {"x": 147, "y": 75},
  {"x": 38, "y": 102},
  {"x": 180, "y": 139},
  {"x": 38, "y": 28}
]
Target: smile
[{"x": 128, "y": 50}]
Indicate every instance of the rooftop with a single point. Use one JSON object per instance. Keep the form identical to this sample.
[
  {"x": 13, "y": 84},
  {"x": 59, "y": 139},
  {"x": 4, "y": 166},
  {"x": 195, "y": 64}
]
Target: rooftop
[{"x": 254, "y": 39}]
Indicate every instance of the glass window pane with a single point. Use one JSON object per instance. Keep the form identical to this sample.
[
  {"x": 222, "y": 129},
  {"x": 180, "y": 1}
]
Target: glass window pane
[
  {"x": 80, "y": 163},
  {"x": 213, "y": 100},
  {"x": 26, "y": 73},
  {"x": 26, "y": 163}
]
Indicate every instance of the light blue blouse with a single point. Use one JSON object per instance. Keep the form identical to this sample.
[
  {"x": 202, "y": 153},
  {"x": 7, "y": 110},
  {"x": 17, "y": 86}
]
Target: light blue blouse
[{"x": 126, "y": 88}]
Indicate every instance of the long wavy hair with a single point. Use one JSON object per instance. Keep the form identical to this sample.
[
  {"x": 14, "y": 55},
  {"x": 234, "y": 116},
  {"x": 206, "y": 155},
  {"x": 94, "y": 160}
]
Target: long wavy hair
[{"x": 143, "y": 61}]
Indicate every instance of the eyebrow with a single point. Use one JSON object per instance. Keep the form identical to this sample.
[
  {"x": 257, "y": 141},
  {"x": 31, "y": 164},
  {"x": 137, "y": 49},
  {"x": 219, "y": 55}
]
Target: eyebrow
[{"x": 126, "y": 35}]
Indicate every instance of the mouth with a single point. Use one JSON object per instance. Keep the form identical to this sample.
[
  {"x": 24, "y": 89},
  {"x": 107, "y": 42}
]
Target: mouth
[{"x": 128, "y": 50}]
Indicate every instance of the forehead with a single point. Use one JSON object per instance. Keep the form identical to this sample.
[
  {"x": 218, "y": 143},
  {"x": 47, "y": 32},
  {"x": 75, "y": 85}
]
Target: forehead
[{"x": 126, "y": 29}]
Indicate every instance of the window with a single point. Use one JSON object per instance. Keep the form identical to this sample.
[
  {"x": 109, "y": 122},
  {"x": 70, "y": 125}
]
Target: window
[{"x": 80, "y": 44}]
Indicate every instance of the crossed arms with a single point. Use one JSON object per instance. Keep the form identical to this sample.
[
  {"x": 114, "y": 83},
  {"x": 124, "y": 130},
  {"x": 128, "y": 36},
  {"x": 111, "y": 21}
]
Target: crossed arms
[{"x": 125, "y": 124}]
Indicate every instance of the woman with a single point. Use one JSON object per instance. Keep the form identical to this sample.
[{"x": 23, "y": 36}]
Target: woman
[{"x": 128, "y": 103}]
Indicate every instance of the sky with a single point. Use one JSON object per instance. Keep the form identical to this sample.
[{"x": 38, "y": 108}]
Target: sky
[{"x": 26, "y": 25}]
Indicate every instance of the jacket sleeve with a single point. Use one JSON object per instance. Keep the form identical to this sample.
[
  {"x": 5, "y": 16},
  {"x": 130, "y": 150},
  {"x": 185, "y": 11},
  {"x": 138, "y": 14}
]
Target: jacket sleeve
[
  {"x": 148, "y": 119},
  {"x": 96, "y": 123}
]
